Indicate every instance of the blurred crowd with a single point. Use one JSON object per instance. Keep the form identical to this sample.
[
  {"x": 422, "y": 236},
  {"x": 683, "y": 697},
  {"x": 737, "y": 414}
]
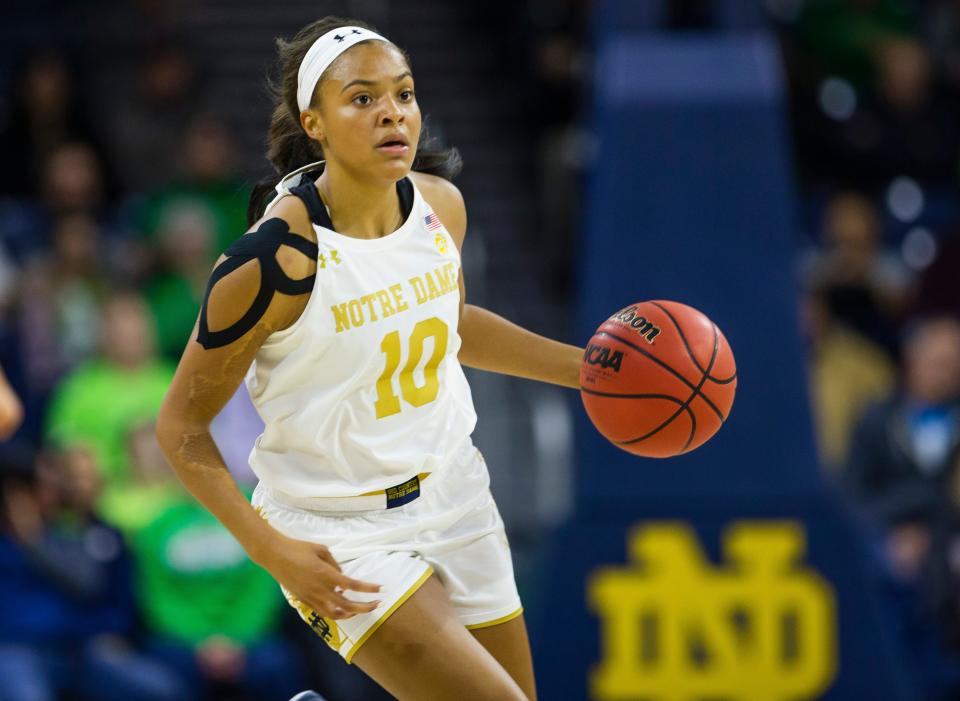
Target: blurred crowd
[
  {"x": 114, "y": 582},
  {"x": 875, "y": 91}
]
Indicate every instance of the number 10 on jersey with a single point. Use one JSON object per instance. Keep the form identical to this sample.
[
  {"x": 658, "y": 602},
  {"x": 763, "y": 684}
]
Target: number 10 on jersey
[{"x": 388, "y": 403}]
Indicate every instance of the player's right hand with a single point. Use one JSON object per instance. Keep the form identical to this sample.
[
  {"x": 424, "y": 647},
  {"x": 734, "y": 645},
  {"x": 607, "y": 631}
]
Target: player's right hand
[{"x": 309, "y": 572}]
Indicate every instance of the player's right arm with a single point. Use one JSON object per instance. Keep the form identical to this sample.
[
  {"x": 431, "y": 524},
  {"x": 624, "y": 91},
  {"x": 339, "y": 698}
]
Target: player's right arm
[{"x": 212, "y": 366}]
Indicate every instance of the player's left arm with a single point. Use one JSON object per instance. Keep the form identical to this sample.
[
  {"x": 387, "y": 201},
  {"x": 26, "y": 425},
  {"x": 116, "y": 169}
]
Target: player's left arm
[{"x": 490, "y": 342}]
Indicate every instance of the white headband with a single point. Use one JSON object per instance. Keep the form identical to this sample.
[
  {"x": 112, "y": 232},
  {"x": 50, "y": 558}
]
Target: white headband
[{"x": 325, "y": 51}]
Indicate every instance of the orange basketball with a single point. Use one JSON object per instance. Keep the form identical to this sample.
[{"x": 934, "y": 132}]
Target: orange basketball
[{"x": 658, "y": 379}]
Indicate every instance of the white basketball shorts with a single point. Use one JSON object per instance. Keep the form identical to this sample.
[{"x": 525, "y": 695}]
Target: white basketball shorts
[{"x": 453, "y": 529}]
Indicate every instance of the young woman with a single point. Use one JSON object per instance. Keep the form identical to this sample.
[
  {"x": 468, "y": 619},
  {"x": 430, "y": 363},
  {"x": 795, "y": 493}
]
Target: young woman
[{"x": 343, "y": 309}]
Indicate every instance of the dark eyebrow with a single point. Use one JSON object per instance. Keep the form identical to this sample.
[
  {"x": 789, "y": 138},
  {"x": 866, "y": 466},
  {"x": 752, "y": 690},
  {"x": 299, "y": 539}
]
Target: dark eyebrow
[{"x": 361, "y": 81}]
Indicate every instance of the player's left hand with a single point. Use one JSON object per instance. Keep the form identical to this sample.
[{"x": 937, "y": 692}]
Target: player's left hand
[{"x": 311, "y": 574}]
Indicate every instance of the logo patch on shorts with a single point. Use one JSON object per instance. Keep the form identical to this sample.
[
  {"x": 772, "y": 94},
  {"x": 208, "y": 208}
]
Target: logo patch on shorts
[
  {"x": 403, "y": 493},
  {"x": 324, "y": 627}
]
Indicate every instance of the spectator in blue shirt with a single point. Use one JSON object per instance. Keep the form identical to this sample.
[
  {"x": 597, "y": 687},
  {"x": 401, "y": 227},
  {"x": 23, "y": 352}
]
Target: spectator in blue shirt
[{"x": 66, "y": 612}]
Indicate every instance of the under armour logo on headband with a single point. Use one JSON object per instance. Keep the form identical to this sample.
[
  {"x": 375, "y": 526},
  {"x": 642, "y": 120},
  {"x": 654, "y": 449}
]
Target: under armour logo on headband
[{"x": 325, "y": 51}]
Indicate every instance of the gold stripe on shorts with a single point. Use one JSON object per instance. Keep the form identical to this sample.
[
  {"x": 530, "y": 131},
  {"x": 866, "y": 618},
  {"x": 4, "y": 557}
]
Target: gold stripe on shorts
[
  {"x": 496, "y": 621},
  {"x": 383, "y": 619}
]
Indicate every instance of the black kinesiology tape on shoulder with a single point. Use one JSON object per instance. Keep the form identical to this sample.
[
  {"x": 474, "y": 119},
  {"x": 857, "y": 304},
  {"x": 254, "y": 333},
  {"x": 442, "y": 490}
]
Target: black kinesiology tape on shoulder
[{"x": 261, "y": 245}]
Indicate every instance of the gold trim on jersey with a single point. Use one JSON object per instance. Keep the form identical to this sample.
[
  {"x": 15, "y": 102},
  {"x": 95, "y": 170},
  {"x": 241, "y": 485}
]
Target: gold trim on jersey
[
  {"x": 383, "y": 619},
  {"x": 496, "y": 621}
]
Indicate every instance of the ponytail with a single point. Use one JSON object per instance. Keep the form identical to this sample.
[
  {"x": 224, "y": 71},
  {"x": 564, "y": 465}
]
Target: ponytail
[
  {"x": 434, "y": 158},
  {"x": 289, "y": 147}
]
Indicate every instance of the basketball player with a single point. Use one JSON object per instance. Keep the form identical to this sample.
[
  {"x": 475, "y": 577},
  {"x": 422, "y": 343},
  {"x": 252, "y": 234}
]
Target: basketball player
[{"x": 343, "y": 309}]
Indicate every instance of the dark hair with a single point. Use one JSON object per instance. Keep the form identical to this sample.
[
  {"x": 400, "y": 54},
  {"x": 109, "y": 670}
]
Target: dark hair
[{"x": 289, "y": 147}]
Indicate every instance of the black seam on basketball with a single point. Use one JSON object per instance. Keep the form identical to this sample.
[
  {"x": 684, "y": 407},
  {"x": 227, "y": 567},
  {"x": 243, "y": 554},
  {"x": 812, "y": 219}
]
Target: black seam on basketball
[
  {"x": 631, "y": 396},
  {"x": 724, "y": 381},
  {"x": 706, "y": 374},
  {"x": 686, "y": 404},
  {"x": 681, "y": 408},
  {"x": 668, "y": 397},
  {"x": 666, "y": 367},
  {"x": 693, "y": 427},
  {"x": 686, "y": 345},
  {"x": 682, "y": 336}
]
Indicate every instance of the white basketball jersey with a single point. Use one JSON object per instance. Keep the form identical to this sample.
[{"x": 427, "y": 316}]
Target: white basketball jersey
[{"x": 364, "y": 390}]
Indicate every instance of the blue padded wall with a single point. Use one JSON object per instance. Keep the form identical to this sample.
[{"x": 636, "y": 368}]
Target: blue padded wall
[{"x": 690, "y": 200}]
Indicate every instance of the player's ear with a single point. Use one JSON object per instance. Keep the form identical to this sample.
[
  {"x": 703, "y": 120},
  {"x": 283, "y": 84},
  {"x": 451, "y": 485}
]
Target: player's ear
[{"x": 312, "y": 123}]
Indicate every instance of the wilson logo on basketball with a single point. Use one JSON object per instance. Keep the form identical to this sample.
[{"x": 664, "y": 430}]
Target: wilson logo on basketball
[
  {"x": 643, "y": 328},
  {"x": 604, "y": 357}
]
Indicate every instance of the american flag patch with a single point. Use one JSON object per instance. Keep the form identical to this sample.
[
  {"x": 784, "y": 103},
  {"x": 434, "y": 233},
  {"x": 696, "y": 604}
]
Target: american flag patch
[{"x": 432, "y": 221}]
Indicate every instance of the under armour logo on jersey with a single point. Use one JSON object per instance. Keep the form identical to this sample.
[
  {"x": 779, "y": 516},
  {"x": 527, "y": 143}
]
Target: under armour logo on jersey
[
  {"x": 441, "y": 242},
  {"x": 334, "y": 258}
]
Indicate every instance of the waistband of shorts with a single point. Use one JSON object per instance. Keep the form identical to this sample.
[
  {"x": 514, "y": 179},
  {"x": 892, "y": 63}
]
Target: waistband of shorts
[{"x": 381, "y": 499}]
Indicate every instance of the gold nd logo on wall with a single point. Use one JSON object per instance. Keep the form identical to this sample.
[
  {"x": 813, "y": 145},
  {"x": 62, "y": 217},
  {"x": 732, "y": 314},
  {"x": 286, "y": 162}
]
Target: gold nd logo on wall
[{"x": 761, "y": 627}]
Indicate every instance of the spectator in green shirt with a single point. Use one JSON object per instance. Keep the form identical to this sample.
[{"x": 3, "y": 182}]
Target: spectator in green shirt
[
  {"x": 207, "y": 177},
  {"x": 213, "y": 614},
  {"x": 98, "y": 403},
  {"x": 185, "y": 237}
]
